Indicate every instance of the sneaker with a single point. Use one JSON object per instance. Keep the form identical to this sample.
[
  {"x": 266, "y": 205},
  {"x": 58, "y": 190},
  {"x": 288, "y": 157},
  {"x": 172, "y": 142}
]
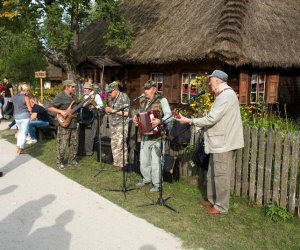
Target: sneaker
[
  {"x": 74, "y": 164},
  {"x": 60, "y": 166},
  {"x": 155, "y": 189},
  {"x": 28, "y": 138},
  {"x": 31, "y": 141},
  {"x": 141, "y": 184}
]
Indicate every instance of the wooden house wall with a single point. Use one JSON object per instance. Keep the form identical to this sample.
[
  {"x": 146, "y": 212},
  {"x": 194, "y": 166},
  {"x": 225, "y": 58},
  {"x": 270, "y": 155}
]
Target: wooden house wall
[
  {"x": 282, "y": 86},
  {"x": 172, "y": 73}
]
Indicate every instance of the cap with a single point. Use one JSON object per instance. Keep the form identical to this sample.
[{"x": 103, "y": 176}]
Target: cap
[
  {"x": 110, "y": 87},
  {"x": 149, "y": 84},
  {"x": 88, "y": 85},
  {"x": 219, "y": 74},
  {"x": 69, "y": 83}
]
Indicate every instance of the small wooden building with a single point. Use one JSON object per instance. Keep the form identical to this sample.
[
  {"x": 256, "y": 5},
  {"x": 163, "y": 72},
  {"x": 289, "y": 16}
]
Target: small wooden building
[{"x": 256, "y": 42}]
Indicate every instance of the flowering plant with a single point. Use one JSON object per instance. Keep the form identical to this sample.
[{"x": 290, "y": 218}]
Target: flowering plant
[{"x": 201, "y": 106}]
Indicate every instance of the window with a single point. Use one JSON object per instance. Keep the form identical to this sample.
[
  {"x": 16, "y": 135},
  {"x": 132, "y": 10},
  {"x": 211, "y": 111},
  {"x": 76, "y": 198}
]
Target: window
[
  {"x": 158, "y": 78},
  {"x": 188, "y": 87},
  {"x": 257, "y": 87}
]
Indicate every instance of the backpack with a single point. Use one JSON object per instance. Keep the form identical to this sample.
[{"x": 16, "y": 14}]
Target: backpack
[
  {"x": 200, "y": 158},
  {"x": 179, "y": 136}
]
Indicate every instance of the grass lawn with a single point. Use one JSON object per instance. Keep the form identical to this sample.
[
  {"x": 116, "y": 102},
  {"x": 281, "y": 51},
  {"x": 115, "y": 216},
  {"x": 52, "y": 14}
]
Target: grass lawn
[{"x": 245, "y": 227}]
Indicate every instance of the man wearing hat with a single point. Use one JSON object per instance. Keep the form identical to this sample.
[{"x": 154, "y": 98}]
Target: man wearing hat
[
  {"x": 90, "y": 130},
  {"x": 117, "y": 101},
  {"x": 223, "y": 135},
  {"x": 150, "y": 152},
  {"x": 65, "y": 136}
]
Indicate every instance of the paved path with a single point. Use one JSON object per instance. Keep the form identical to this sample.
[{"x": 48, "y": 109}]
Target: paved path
[{"x": 42, "y": 209}]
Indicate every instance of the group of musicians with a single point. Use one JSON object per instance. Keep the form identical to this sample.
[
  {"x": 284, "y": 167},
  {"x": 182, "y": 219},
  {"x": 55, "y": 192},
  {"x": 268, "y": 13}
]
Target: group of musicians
[
  {"x": 118, "y": 113},
  {"x": 223, "y": 132}
]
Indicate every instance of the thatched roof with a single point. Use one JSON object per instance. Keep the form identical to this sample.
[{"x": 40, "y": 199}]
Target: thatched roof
[
  {"x": 102, "y": 61},
  {"x": 262, "y": 33}
]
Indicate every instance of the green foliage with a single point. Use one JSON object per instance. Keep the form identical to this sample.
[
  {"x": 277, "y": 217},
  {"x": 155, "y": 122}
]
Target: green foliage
[
  {"x": 55, "y": 26},
  {"x": 119, "y": 35},
  {"x": 55, "y": 32},
  {"x": 48, "y": 94},
  {"x": 20, "y": 56},
  {"x": 263, "y": 116},
  {"x": 277, "y": 213}
]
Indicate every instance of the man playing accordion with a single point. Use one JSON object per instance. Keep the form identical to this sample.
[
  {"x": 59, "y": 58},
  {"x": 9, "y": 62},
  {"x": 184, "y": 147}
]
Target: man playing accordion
[{"x": 150, "y": 153}]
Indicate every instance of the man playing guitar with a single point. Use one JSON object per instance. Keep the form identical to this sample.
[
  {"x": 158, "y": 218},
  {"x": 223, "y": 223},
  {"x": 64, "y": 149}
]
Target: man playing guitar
[{"x": 66, "y": 135}]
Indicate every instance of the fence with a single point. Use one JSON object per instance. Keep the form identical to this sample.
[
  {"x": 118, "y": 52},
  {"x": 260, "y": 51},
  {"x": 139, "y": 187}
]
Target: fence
[{"x": 265, "y": 170}]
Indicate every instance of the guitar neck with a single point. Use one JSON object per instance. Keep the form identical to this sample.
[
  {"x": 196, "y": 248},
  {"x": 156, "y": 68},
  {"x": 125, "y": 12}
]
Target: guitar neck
[{"x": 79, "y": 105}]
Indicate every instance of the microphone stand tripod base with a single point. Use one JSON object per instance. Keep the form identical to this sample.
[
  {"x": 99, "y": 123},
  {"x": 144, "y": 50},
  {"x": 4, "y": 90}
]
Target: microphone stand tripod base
[
  {"x": 161, "y": 202},
  {"x": 123, "y": 189}
]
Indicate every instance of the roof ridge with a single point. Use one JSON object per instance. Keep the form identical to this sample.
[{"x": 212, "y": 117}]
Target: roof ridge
[{"x": 229, "y": 38}]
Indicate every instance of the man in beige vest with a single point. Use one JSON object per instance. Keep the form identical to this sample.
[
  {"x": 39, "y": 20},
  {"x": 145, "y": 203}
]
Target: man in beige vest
[{"x": 223, "y": 134}]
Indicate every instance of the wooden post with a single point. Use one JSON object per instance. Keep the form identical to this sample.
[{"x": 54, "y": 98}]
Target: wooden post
[
  {"x": 277, "y": 164},
  {"x": 293, "y": 175},
  {"x": 268, "y": 167},
  {"x": 285, "y": 171},
  {"x": 260, "y": 167},
  {"x": 245, "y": 171},
  {"x": 238, "y": 171},
  {"x": 252, "y": 180},
  {"x": 42, "y": 96}
]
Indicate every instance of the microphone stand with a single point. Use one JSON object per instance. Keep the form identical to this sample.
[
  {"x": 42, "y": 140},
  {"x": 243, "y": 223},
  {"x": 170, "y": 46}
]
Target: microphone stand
[
  {"x": 161, "y": 201},
  {"x": 124, "y": 188},
  {"x": 99, "y": 151}
]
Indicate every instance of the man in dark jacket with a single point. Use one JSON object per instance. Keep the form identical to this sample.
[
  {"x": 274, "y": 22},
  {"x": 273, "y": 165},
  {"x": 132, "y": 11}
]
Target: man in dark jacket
[{"x": 39, "y": 118}]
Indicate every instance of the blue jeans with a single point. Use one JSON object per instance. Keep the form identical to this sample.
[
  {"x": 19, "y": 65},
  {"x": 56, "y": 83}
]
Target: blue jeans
[
  {"x": 33, "y": 125},
  {"x": 13, "y": 123},
  {"x": 23, "y": 129}
]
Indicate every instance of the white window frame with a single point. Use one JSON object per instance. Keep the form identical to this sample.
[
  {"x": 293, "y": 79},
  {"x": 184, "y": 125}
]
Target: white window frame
[
  {"x": 257, "y": 87},
  {"x": 186, "y": 77},
  {"x": 158, "y": 78}
]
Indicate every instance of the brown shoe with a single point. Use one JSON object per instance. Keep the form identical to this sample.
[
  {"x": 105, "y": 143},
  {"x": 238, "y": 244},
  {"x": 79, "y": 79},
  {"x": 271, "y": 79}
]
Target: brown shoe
[
  {"x": 214, "y": 211},
  {"x": 22, "y": 151},
  {"x": 206, "y": 204}
]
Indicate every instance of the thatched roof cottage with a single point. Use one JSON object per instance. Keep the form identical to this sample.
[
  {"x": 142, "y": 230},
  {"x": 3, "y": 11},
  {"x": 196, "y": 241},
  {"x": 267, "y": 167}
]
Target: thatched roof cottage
[{"x": 257, "y": 42}]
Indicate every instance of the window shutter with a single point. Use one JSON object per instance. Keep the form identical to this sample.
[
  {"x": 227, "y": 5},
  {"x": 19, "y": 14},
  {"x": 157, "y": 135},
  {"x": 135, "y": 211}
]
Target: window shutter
[
  {"x": 272, "y": 88},
  {"x": 244, "y": 88}
]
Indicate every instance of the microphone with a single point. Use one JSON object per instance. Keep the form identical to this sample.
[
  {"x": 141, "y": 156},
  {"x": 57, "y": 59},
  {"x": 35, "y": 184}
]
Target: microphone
[
  {"x": 200, "y": 94},
  {"x": 139, "y": 97}
]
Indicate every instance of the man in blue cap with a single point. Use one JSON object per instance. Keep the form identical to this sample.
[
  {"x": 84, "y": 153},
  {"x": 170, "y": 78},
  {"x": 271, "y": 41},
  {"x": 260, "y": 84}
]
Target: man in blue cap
[{"x": 223, "y": 135}]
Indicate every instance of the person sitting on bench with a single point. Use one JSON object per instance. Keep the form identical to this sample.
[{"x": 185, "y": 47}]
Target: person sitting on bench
[{"x": 39, "y": 118}]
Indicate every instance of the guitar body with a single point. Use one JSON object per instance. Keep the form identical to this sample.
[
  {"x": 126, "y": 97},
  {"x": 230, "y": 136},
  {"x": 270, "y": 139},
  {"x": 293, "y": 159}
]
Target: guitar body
[{"x": 64, "y": 121}]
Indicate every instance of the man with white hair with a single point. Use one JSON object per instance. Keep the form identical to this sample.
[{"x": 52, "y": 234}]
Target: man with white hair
[{"x": 223, "y": 134}]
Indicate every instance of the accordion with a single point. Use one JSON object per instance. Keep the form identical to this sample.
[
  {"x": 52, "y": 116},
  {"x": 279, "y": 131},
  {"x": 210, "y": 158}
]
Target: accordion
[{"x": 144, "y": 120}]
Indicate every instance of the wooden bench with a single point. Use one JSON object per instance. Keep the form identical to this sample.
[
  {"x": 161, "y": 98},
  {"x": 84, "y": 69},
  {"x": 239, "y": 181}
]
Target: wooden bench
[{"x": 50, "y": 131}]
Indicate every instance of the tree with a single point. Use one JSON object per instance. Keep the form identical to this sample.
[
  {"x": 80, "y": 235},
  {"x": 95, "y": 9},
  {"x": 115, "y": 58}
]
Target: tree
[
  {"x": 56, "y": 24},
  {"x": 20, "y": 56}
]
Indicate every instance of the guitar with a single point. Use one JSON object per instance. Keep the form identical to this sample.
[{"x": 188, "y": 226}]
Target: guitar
[
  {"x": 176, "y": 114},
  {"x": 65, "y": 121}
]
